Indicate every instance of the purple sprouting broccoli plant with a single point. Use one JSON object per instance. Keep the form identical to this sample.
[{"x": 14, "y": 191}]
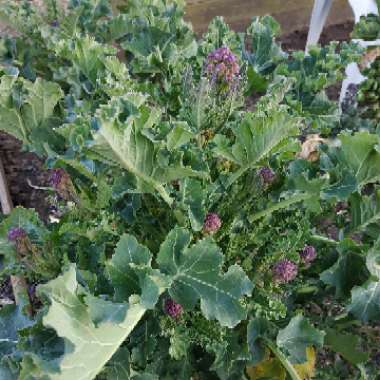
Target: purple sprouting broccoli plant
[
  {"x": 56, "y": 178},
  {"x": 267, "y": 175},
  {"x": 173, "y": 308},
  {"x": 212, "y": 223},
  {"x": 222, "y": 67},
  {"x": 308, "y": 254},
  {"x": 16, "y": 234},
  {"x": 20, "y": 237},
  {"x": 284, "y": 271},
  {"x": 61, "y": 183}
]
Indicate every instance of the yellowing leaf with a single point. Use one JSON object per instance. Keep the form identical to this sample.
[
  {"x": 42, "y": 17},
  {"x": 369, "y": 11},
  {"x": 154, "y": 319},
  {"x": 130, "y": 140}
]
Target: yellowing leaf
[
  {"x": 307, "y": 370},
  {"x": 267, "y": 369},
  {"x": 309, "y": 150}
]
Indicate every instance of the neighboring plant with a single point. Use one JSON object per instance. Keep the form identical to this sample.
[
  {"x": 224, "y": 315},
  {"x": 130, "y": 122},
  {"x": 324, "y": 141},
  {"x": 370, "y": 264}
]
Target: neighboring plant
[
  {"x": 190, "y": 238},
  {"x": 369, "y": 92}
]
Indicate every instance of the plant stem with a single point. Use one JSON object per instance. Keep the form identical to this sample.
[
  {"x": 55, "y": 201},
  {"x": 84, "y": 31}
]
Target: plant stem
[
  {"x": 279, "y": 205},
  {"x": 284, "y": 361},
  {"x": 324, "y": 239},
  {"x": 164, "y": 194}
]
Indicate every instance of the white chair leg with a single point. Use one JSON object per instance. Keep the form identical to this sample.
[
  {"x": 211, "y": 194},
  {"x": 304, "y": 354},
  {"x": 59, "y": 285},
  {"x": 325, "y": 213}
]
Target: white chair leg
[{"x": 321, "y": 10}]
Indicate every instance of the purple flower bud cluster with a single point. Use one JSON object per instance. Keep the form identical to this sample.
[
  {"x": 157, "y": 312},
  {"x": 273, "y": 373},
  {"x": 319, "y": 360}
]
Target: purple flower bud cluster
[
  {"x": 266, "y": 174},
  {"x": 212, "y": 223},
  {"x": 222, "y": 66},
  {"x": 284, "y": 271},
  {"x": 16, "y": 233},
  {"x": 173, "y": 308},
  {"x": 56, "y": 177},
  {"x": 308, "y": 254}
]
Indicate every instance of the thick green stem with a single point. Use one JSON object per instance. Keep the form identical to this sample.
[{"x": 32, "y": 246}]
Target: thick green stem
[
  {"x": 284, "y": 361},
  {"x": 279, "y": 205},
  {"x": 236, "y": 175},
  {"x": 164, "y": 194},
  {"x": 324, "y": 239}
]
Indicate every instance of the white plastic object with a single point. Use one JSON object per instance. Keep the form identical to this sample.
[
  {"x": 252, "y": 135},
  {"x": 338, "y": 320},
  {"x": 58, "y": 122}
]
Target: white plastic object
[
  {"x": 321, "y": 10},
  {"x": 319, "y": 15},
  {"x": 363, "y": 8}
]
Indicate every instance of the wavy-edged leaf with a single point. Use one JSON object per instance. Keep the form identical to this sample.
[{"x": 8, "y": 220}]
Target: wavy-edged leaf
[
  {"x": 356, "y": 163},
  {"x": 297, "y": 336},
  {"x": 266, "y": 52},
  {"x": 12, "y": 320},
  {"x": 29, "y": 118},
  {"x": 256, "y": 138},
  {"x": 130, "y": 273},
  {"x": 196, "y": 274},
  {"x": 93, "y": 328},
  {"x": 365, "y": 212},
  {"x": 258, "y": 331},
  {"x": 121, "y": 140},
  {"x": 193, "y": 197},
  {"x": 365, "y": 300},
  {"x": 346, "y": 345},
  {"x": 348, "y": 271}
]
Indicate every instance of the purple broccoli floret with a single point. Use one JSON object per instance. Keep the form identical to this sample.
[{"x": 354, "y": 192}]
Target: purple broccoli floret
[
  {"x": 222, "y": 66},
  {"x": 308, "y": 254},
  {"x": 56, "y": 177},
  {"x": 16, "y": 234},
  {"x": 173, "y": 308},
  {"x": 284, "y": 271},
  {"x": 212, "y": 223},
  {"x": 266, "y": 174}
]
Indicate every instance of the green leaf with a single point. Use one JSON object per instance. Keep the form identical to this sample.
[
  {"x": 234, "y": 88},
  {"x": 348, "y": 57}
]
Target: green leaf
[
  {"x": 258, "y": 331},
  {"x": 12, "y": 320},
  {"x": 347, "y": 272},
  {"x": 86, "y": 54},
  {"x": 356, "y": 163},
  {"x": 266, "y": 53},
  {"x": 195, "y": 274},
  {"x": 88, "y": 346},
  {"x": 297, "y": 336},
  {"x": 365, "y": 302},
  {"x": 30, "y": 121},
  {"x": 178, "y": 136},
  {"x": 130, "y": 273},
  {"x": 373, "y": 260},
  {"x": 346, "y": 345},
  {"x": 124, "y": 143},
  {"x": 257, "y": 137},
  {"x": 118, "y": 368},
  {"x": 194, "y": 197},
  {"x": 365, "y": 212}
]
